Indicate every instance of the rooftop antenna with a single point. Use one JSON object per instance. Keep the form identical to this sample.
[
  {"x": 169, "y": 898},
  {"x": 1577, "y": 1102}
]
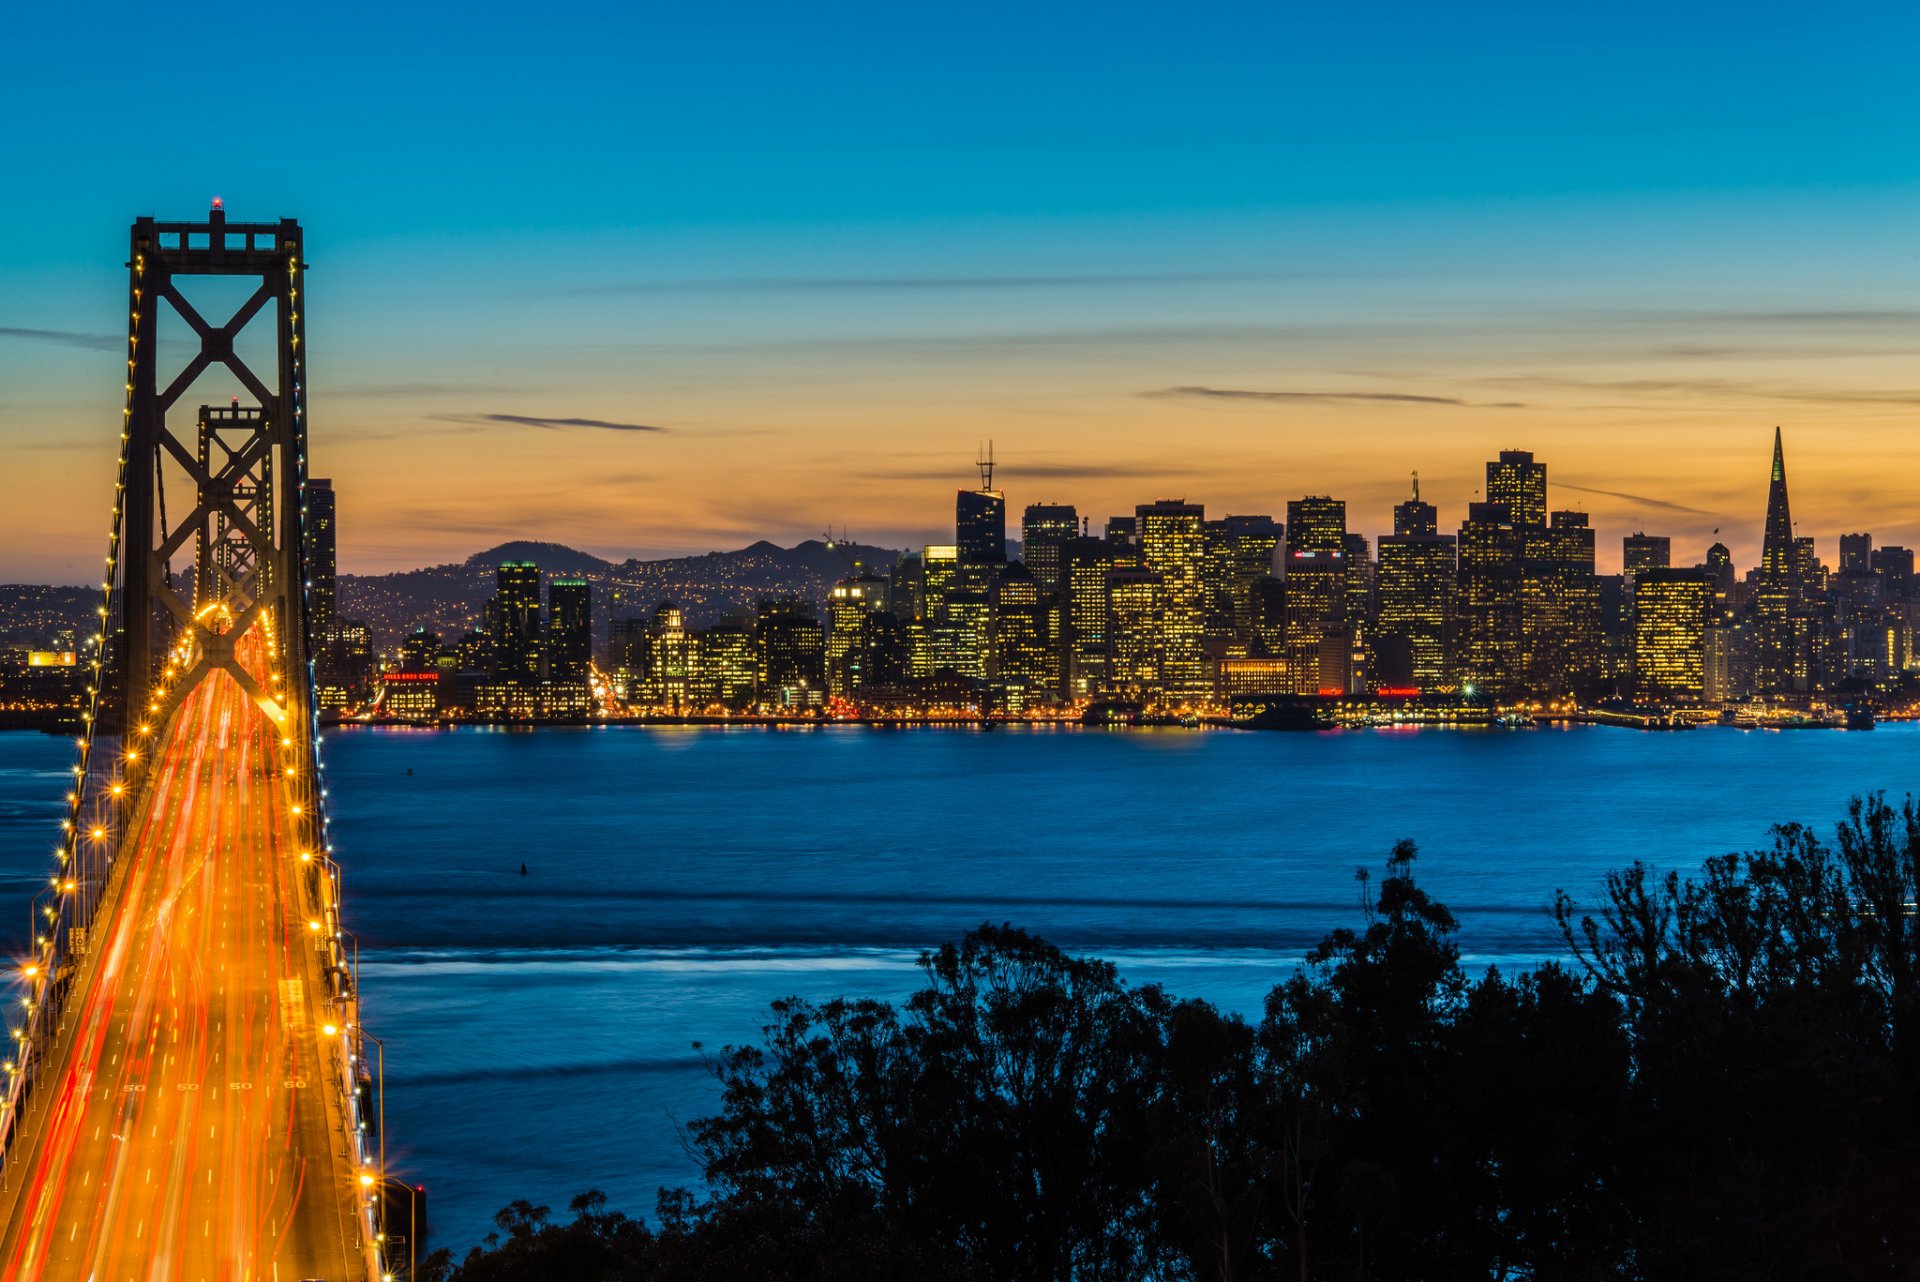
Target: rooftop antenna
[
  {"x": 1416, "y": 487},
  {"x": 984, "y": 461}
]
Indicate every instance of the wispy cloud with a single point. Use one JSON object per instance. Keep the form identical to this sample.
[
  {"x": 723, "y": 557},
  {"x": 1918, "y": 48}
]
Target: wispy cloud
[
  {"x": 1716, "y": 389},
  {"x": 955, "y": 282},
  {"x": 1309, "y": 398},
  {"x": 66, "y": 338},
  {"x": 1046, "y": 472},
  {"x": 1663, "y": 504},
  {"x": 547, "y": 422}
]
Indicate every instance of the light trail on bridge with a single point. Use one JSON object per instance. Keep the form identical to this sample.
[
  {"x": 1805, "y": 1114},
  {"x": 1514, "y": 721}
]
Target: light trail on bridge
[{"x": 191, "y": 1126}]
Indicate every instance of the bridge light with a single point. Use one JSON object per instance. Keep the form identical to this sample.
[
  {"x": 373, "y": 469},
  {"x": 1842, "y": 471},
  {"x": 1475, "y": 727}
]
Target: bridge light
[{"x": 329, "y": 1029}]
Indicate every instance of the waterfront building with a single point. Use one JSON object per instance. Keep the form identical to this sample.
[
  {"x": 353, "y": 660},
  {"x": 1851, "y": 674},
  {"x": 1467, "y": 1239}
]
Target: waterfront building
[
  {"x": 1086, "y": 562},
  {"x": 569, "y": 630},
  {"x": 791, "y": 648},
  {"x": 849, "y": 603},
  {"x": 726, "y": 666},
  {"x": 1135, "y": 604},
  {"x": 410, "y": 695},
  {"x": 1022, "y": 657},
  {"x": 1559, "y": 608},
  {"x": 1316, "y": 585},
  {"x": 1173, "y": 547},
  {"x": 515, "y": 616},
  {"x": 1491, "y": 587},
  {"x": 1414, "y": 589},
  {"x": 1672, "y": 611}
]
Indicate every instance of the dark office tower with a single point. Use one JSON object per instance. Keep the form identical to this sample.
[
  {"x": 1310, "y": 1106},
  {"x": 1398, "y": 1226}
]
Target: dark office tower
[
  {"x": 980, "y": 526},
  {"x": 1172, "y": 544},
  {"x": 1043, "y": 528},
  {"x": 1415, "y": 516},
  {"x": 1640, "y": 552},
  {"x": 1316, "y": 592},
  {"x": 569, "y": 630},
  {"x": 1560, "y": 608},
  {"x": 322, "y": 567},
  {"x": 1413, "y": 589},
  {"x": 1120, "y": 529},
  {"x": 1719, "y": 563},
  {"x": 792, "y": 654},
  {"x": 1895, "y": 565},
  {"x": 1520, "y": 483},
  {"x": 980, "y": 520},
  {"x": 1489, "y": 608},
  {"x": 1856, "y": 554},
  {"x": 516, "y": 623}
]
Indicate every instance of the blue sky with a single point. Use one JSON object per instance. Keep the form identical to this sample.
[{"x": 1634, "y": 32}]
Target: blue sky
[{"x": 828, "y": 248}]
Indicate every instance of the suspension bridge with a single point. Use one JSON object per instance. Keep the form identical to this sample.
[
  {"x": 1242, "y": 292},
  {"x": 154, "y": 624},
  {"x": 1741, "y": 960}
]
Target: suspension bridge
[{"x": 190, "y": 1093}]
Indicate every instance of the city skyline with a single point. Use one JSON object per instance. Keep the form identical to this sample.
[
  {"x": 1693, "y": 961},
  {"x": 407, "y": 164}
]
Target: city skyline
[{"x": 1118, "y": 244}]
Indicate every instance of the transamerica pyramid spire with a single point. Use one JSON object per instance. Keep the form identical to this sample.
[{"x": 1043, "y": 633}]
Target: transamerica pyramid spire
[{"x": 1776, "y": 553}]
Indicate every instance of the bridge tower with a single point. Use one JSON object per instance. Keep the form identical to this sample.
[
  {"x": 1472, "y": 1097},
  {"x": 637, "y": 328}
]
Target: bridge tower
[{"x": 246, "y": 465}]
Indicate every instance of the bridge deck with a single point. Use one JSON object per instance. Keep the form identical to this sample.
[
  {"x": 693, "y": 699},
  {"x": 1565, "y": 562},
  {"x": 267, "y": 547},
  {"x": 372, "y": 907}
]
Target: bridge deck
[{"x": 188, "y": 1126}]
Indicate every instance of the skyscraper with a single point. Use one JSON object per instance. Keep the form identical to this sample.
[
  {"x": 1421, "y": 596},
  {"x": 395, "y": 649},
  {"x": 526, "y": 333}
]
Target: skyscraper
[
  {"x": 1669, "y": 635},
  {"x": 1316, "y": 585},
  {"x": 569, "y": 630},
  {"x": 1489, "y": 603},
  {"x": 980, "y": 520},
  {"x": 1044, "y": 528},
  {"x": 515, "y": 613},
  {"x": 1560, "y": 608},
  {"x": 1778, "y": 664},
  {"x": 322, "y": 577},
  {"x": 1172, "y": 542},
  {"x": 1414, "y": 585},
  {"x": 1521, "y": 484}
]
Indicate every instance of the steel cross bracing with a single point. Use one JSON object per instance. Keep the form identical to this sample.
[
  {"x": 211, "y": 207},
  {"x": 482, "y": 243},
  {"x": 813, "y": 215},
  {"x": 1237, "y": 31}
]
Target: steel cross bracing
[{"x": 181, "y": 790}]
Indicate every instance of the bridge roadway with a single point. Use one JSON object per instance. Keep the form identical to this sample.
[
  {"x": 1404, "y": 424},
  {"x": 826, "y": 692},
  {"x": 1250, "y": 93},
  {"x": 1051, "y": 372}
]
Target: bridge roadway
[{"x": 187, "y": 1129}]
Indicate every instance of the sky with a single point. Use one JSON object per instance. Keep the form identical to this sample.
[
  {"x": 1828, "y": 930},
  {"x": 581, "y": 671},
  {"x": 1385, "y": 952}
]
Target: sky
[{"x": 654, "y": 279}]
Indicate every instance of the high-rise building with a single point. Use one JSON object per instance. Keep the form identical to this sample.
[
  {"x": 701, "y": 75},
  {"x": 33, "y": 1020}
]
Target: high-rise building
[
  {"x": 792, "y": 652},
  {"x": 1241, "y": 551},
  {"x": 849, "y": 604},
  {"x": 1559, "y": 608},
  {"x": 1022, "y": 655},
  {"x": 1515, "y": 480},
  {"x": 1414, "y": 586},
  {"x": 569, "y": 630},
  {"x": 1172, "y": 540},
  {"x": 515, "y": 615},
  {"x": 1316, "y": 586},
  {"x": 1671, "y": 615},
  {"x": 1134, "y": 635},
  {"x": 980, "y": 520},
  {"x": 1856, "y": 554},
  {"x": 1640, "y": 552},
  {"x": 322, "y": 564},
  {"x": 1044, "y": 528},
  {"x": 1489, "y": 604},
  {"x": 1779, "y": 659},
  {"x": 1084, "y": 627}
]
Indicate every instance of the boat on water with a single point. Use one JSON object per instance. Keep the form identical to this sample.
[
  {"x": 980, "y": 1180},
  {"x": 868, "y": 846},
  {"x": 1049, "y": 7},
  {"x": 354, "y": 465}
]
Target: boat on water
[
  {"x": 1281, "y": 713},
  {"x": 1858, "y": 717}
]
